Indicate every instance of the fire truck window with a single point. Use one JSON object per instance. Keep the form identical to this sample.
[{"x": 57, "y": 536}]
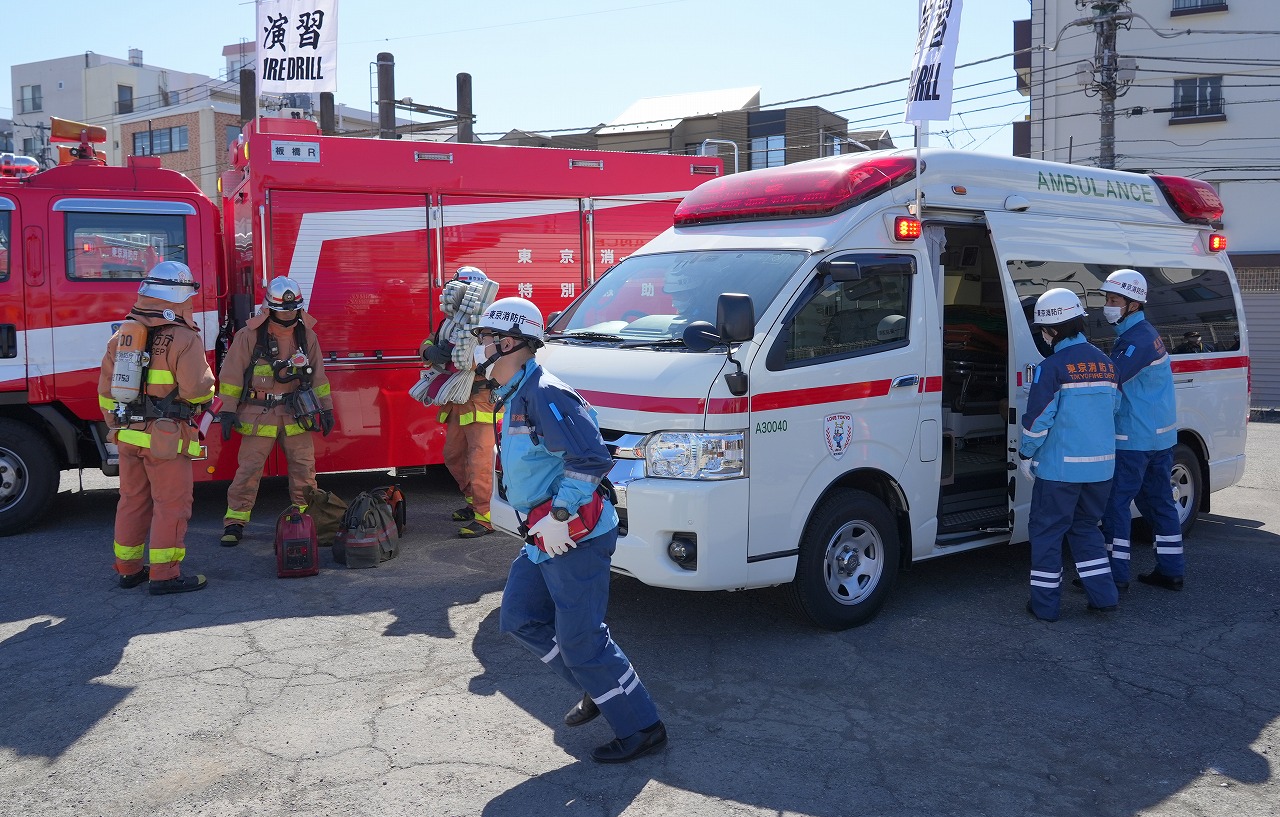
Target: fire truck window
[
  {"x": 4, "y": 246},
  {"x": 122, "y": 246},
  {"x": 851, "y": 318}
]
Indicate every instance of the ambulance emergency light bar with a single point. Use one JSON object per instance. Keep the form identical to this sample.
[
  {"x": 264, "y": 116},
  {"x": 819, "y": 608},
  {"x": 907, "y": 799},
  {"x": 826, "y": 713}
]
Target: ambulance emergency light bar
[
  {"x": 1194, "y": 201},
  {"x": 793, "y": 191}
]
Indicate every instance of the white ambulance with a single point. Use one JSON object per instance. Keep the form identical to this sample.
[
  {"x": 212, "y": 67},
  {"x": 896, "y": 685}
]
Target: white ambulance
[{"x": 802, "y": 383}]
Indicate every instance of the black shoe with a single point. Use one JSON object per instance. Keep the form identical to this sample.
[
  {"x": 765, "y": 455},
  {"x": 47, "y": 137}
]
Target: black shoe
[
  {"x": 583, "y": 711},
  {"x": 620, "y": 750},
  {"x": 231, "y": 535},
  {"x": 1110, "y": 608},
  {"x": 134, "y": 579},
  {"x": 182, "y": 584},
  {"x": 464, "y": 514},
  {"x": 1032, "y": 612},
  {"x": 474, "y": 531},
  {"x": 1157, "y": 579},
  {"x": 1078, "y": 584}
]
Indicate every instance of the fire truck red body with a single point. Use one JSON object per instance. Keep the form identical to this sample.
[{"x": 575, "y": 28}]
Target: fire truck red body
[{"x": 371, "y": 230}]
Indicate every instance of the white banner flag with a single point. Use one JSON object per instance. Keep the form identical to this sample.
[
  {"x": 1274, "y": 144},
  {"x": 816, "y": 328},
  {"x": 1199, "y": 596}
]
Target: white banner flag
[
  {"x": 297, "y": 46},
  {"x": 929, "y": 92}
]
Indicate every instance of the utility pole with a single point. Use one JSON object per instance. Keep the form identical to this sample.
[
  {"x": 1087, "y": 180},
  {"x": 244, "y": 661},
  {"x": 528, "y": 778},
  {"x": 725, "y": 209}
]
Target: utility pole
[{"x": 1105, "y": 27}]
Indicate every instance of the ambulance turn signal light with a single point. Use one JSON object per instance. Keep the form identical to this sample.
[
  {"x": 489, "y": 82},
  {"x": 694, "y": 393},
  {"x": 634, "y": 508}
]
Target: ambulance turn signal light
[
  {"x": 807, "y": 190},
  {"x": 906, "y": 228},
  {"x": 1217, "y": 242},
  {"x": 1194, "y": 201}
]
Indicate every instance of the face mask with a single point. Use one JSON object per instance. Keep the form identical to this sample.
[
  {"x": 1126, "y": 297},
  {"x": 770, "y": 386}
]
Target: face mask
[
  {"x": 480, "y": 359},
  {"x": 275, "y": 318},
  {"x": 1113, "y": 314}
]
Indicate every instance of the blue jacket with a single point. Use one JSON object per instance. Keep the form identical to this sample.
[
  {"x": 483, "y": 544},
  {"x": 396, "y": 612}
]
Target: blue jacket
[
  {"x": 551, "y": 447},
  {"x": 1068, "y": 430},
  {"x": 1148, "y": 418}
]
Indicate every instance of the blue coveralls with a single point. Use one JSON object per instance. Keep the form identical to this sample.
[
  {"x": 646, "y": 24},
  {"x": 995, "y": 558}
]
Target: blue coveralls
[
  {"x": 1068, "y": 432},
  {"x": 551, "y": 449},
  {"x": 1146, "y": 431}
]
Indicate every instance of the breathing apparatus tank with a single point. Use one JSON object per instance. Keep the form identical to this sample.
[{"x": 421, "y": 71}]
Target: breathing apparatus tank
[{"x": 126, "y": 371}]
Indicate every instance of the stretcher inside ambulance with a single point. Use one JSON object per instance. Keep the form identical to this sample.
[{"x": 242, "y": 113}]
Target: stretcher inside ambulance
[{"x": 804, "y": 384}]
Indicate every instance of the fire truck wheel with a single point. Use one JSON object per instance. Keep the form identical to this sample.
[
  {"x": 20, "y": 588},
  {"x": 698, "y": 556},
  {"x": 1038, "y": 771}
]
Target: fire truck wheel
[
  {"x": 848, "y": 561},
  {"x": 28, "y": 476}
]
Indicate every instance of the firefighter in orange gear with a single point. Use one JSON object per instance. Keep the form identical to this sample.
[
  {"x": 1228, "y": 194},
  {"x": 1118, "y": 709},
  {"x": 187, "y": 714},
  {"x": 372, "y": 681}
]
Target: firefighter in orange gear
[
  {"x": 273, "y": 388},
  {"x": 469, "y": 437},
  {"x": 154, "y": 428}
]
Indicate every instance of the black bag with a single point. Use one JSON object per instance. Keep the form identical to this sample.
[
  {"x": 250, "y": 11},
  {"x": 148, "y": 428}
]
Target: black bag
[
  {"x": 326, "y": 510},
  {"x": 370, "y": 532}
]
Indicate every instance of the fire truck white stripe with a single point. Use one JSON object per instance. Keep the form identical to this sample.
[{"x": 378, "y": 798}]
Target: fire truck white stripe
[
  {"x": 317, "y": 228},
  {"x": 78, "y": 347}
]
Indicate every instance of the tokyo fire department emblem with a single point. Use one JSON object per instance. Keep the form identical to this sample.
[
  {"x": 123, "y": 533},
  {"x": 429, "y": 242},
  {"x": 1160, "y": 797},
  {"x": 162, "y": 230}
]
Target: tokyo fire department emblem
[{"x": 837, "y": 428}]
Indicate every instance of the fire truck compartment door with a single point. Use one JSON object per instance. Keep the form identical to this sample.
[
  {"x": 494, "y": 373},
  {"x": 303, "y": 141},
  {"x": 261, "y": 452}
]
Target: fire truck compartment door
[{"x": 13, "y": 356}]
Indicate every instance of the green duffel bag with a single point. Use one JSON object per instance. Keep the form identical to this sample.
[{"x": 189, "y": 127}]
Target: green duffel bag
[{"x": 326, "y": 510}]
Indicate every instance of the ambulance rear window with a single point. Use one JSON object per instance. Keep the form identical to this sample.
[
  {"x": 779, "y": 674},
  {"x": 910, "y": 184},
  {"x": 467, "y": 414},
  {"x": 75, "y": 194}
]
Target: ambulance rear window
[{"x": 121, "y": 246}]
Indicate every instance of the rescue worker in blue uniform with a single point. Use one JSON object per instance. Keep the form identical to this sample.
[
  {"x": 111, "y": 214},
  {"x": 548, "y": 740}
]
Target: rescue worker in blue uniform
[
  {"x": 1146, "y": 432},
  {"x": 1068, "y": 448},
  {"x": 552, "y": 459}
]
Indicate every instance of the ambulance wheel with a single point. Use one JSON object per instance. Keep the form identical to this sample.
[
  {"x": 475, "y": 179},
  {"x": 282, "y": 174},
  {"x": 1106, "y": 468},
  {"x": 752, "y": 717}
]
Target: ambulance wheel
[
  {"x": 848, "y": 561},
  {"x": 28, "y": 476},
  {"x": 1186, "y": 485}
]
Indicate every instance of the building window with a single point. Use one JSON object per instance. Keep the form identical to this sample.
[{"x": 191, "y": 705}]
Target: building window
[
  {"x": 1181, "y": 7},
  {"x": 31, "y": 147},
  {"x": 1198, "y": 98},
  {"x": 32, "y": 100},
  {"x": 768, "y": 151},
  {"x": 233, "y": 133},
  {"x": 160, "y": 140},
  {"x": 833, "y": 144},
  {"x": 124, "y": 99}
]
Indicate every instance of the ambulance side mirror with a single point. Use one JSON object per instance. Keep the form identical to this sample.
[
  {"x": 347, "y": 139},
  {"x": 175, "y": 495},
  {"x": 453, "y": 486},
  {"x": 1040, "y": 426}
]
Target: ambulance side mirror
[
  {"x": 842, "y": 270},
  {"x": 735, "y": 317}
]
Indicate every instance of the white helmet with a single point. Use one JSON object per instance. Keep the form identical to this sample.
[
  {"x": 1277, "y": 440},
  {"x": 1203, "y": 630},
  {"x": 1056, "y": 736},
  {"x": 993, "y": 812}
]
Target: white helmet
[
  {"x": 470, "y": 275},
  {"x": 1057, "y": 306},
  {"x": 283, "y": 295},
  {"x": 513, "y": 317},
  {"x": 170, "y": 281},
  {"x": 1127, "y": 282},
  {"x": 891, "y": 327}
]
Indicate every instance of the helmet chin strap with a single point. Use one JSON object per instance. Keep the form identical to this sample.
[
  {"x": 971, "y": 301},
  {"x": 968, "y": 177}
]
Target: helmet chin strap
[
  {"x": 272, "y": 317},
  {"x": 493, "y": 358}
]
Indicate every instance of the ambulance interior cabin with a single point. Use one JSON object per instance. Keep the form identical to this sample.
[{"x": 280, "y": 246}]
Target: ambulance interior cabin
[{"x": 975, "y": 387}]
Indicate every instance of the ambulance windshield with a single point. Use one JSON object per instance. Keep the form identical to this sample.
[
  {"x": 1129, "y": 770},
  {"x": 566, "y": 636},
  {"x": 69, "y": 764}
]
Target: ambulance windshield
[{"x": 654, "y": 297}]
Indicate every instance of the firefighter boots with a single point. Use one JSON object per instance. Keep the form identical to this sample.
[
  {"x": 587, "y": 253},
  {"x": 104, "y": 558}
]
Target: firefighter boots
[
  {"x": 231, "y": 535},
  {"x": 135, "y": 579},
  {"x": 464, "y": 514},
  {"x": 182, "y": 584}
]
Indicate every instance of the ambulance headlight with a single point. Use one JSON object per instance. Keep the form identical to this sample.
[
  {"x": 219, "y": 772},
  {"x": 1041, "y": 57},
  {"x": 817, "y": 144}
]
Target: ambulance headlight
[{"x": 695, "y": 455}]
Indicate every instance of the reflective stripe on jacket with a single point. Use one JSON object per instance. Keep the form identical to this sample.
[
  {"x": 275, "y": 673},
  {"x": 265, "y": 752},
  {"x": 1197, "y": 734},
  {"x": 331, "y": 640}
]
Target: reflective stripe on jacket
[
  {"x": 1068, "y": 430},
  {"x": 1148, "y": 417}
]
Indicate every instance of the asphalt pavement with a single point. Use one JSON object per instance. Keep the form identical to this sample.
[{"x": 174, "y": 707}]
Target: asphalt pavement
[{"x": 391, "y": 692}]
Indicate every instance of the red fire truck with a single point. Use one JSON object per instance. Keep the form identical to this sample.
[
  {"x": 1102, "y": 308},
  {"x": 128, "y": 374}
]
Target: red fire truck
[{"x": 371, "y": 229}]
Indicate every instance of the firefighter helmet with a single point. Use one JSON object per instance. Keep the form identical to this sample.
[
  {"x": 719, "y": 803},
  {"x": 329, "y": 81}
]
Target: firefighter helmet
[
  {"x": 1057, "y": 306},
  {"x": 470, "y": 275},
  {"x": 170, "y": 281},
  {"x": 283, "y": 295},
  {"x": 1127, "y": 282},
  {"x": 513, "y": 317}
]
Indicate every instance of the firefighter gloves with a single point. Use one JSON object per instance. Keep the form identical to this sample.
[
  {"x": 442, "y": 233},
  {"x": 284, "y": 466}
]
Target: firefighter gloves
[
  {"x": 228, "y": 421},
  {"x": 326, "y": 422}
]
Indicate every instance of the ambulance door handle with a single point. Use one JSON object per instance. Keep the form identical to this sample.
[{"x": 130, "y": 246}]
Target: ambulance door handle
[{"x": 906, "y": 380}]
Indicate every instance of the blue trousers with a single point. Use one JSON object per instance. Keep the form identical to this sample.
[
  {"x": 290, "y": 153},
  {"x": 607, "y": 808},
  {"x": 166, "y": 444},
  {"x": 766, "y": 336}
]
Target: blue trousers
[
  {"x": 556, "y": 609},
  {"x": 1142, "y": 477},
  {"x": 1069, "y": 510}
]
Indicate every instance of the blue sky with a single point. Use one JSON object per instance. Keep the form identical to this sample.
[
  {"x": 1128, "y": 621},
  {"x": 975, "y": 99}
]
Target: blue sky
[{"x": 557, "y": 64}]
